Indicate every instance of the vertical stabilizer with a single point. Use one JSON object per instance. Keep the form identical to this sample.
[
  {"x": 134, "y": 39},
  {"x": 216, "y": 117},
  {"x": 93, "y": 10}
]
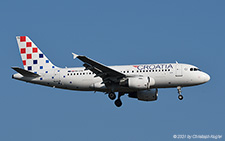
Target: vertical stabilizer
[{"x": 32, "y": 57}]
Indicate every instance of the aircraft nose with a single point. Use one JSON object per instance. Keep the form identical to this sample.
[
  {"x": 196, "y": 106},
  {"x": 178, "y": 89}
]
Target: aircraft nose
[{"x": 206, "y": 77}]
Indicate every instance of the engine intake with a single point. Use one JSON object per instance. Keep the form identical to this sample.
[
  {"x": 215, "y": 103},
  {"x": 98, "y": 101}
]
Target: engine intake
[{"x": 145, "y": 95}]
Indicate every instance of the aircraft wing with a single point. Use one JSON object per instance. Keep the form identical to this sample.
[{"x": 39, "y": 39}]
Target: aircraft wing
[{"x": 107, "y": 74}]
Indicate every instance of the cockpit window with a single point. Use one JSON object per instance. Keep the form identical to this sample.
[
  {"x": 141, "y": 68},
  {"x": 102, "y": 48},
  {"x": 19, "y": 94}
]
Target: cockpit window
[{"x": 195, "y": 69}]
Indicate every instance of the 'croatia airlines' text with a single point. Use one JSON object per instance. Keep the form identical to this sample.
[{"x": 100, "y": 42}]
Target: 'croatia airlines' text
[{"x": 152, "y": 67}]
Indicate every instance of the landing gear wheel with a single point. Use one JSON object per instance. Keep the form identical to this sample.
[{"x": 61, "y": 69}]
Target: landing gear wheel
[
  {"x": 180, "y": 97},
  {"x": 112, "y": 96},
  {"x": 118, "y": 103},
  {"x": 179, "y": 92}
]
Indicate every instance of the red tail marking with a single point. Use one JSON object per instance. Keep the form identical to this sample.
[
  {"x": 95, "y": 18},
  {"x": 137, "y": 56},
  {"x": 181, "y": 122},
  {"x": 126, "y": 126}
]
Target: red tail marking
[
  {"x": 22, "y": 38},
  {"x": 29, "y": 44},
  {"x": 35, "y": 50},
  {"x": 24, "y": 62},
  {"x": 22, "y": 50},
  {"x": 29, "y": 56}
]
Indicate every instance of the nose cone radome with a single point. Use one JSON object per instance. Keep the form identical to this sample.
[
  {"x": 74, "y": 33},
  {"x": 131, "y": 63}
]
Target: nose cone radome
[{"x": 206, "y": 77}]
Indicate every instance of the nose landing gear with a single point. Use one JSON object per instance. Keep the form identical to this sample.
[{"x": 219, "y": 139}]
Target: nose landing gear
[{"x": 180, "y": 97}]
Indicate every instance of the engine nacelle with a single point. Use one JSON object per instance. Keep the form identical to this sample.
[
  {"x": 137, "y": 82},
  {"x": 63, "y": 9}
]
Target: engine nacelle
[
  {"x": 138, "y": 83},
  {"x": 145, "y": 95}
]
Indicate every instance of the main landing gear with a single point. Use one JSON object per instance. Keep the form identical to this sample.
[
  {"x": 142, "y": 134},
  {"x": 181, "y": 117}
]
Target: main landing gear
[
  {"x": 117, "y": 102},
  {"x": 112, "y": 96},
  {"x": 180, "y": 97}
]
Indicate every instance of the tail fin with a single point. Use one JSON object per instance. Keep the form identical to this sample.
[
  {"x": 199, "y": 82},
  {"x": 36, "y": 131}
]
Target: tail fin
[{"x": 33, "y": 59}]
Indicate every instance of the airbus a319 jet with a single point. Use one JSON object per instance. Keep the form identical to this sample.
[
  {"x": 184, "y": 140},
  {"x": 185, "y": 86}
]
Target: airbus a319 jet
[{"x": 138, "y": 81}]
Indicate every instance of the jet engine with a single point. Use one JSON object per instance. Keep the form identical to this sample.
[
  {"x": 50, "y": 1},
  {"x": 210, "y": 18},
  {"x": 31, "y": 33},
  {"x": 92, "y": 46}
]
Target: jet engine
[
  {"x": 139, "y": 83},
  {"x": 145, "y": 95}
]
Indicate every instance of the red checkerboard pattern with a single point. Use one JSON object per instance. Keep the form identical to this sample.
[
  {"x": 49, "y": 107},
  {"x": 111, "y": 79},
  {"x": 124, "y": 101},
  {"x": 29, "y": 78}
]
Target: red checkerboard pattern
[
  {"x": 23, "y": 50},
  {"x": 35, "y": 50},
  {"x": 24, "y": 62},
  {"x": 22, "y": 38},
  {"x": 28, "y": 50},
  {"x": 32, "y": 57},
  {"x": 29, "y": 44},
  {"x": 29, "y": 56}
]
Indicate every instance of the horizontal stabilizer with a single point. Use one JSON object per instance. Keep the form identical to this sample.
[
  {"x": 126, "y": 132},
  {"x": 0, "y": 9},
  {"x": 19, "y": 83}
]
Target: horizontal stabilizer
[{"x": 25, "y": 72}]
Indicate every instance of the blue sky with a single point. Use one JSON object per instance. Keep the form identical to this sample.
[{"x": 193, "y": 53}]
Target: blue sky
[{"x": 113, "y": 33}]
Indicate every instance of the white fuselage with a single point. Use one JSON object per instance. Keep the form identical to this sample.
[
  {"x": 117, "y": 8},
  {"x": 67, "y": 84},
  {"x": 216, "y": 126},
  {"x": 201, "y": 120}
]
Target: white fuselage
[{"x": 164, "y": 76}]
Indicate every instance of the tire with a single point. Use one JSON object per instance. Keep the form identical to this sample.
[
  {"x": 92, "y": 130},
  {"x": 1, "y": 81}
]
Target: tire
[
  {"x": 112, "y": 96},
  {"x": 118, "y": 103},
  {"x": 180, "y": 97}
]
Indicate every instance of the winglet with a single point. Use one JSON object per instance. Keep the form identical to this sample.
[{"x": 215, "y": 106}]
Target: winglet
[{"x": 74, "y": 55}]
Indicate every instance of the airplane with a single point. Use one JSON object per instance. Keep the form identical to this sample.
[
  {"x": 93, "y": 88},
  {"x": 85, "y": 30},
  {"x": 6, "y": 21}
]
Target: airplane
[{"x": 138, "y": 81}]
